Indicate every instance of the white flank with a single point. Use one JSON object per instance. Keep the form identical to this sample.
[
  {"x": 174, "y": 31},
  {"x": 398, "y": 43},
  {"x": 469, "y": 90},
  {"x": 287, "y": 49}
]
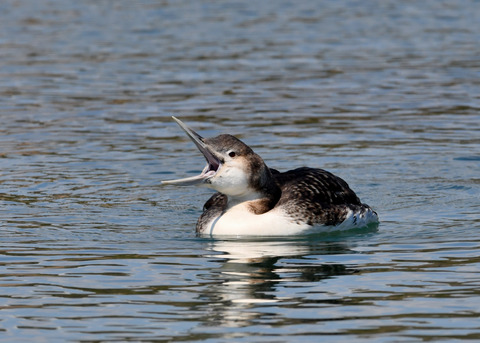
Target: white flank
[{"x": 239, "y": 221}]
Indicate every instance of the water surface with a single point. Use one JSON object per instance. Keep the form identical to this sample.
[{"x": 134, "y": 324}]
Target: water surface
[{"x": 92, "y": 248}]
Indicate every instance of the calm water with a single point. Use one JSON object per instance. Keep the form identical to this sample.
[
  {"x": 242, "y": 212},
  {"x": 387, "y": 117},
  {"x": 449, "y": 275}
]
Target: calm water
[{"x": 385, "y": 94}]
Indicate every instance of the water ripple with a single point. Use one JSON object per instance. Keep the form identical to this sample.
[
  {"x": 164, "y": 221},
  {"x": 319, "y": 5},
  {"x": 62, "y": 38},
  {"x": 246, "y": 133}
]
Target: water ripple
[{"x": 93, "y": 248}]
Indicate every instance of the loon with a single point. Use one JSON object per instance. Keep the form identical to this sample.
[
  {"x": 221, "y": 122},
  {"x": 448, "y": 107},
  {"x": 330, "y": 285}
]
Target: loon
[{"x": 255, "y": 200}]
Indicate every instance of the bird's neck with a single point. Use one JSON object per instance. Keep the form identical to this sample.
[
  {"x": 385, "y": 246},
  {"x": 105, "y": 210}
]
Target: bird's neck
[{"x": 261, "y": 197}]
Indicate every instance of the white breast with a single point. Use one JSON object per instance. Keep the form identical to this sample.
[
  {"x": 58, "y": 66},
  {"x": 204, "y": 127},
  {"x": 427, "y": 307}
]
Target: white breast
[{"x": 239, "y": 221}]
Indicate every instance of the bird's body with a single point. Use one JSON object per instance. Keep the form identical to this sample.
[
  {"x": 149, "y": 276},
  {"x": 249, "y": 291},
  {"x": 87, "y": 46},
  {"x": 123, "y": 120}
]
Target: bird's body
[
  {"x": 310, "y": 200},
  {"x": 254, "y": 200}
]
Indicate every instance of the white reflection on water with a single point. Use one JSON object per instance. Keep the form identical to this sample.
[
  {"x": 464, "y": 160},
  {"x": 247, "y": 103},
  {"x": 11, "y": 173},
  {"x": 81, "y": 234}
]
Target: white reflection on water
[
  {"x": 251, "y": 271},
  {"x": 245, "y": 251}
]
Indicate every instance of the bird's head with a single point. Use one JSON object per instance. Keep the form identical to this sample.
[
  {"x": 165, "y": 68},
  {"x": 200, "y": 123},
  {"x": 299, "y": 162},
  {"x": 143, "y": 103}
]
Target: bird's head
[{"x": 232, "y": 166}]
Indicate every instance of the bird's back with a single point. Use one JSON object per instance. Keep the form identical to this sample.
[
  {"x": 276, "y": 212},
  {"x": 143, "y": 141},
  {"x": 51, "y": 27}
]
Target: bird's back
[{"x": 317, "y": 196}]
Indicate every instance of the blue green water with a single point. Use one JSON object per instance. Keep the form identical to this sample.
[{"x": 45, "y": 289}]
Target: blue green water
[{"x": 92, "y": 248}]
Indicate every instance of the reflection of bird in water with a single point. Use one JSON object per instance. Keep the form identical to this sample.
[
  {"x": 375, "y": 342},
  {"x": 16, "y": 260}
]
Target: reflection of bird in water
[
  {"x": 253, "y": 199},
  {"x": 252, "y": 274}
]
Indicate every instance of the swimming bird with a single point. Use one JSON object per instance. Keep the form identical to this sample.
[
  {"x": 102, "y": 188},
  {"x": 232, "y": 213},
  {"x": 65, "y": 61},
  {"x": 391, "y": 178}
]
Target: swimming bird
[{"x": 255, "y": 200}]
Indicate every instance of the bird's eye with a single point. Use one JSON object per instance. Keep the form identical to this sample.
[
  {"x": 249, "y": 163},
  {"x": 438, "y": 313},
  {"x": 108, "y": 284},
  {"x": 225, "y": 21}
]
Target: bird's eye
[{"x": 232, "y": 154}]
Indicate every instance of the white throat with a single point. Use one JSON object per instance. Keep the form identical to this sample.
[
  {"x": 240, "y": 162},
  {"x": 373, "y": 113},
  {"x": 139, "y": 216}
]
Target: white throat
[
  {"x": 233, "y": 181},
  {"x": 249, "y": 195}
]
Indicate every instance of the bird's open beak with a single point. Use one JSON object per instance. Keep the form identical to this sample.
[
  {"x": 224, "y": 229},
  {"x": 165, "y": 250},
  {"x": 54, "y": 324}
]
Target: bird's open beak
[{"x": 213, "y": 163}]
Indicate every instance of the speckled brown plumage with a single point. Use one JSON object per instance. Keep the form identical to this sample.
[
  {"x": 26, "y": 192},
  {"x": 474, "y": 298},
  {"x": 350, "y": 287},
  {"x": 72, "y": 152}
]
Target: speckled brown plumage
[{"x": 316, "y": 196}]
